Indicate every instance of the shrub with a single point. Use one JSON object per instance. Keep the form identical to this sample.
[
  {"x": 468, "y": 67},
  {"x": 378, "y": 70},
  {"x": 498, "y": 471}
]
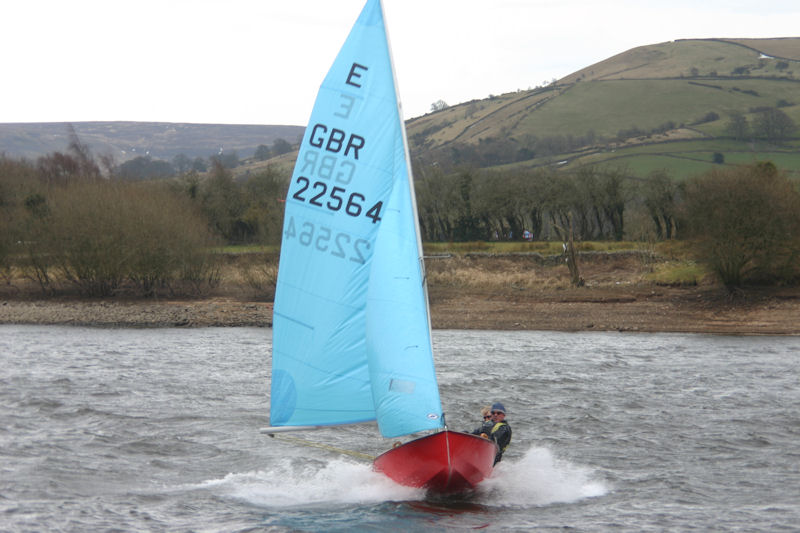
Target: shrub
[
  {"x": 97, "y": 235},
  {"x": 167, "y": 242},
  {"x": 745, "y": 223}
]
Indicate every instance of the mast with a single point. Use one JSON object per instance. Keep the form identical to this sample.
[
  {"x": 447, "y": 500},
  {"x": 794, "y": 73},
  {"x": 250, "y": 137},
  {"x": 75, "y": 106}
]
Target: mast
[{"x": 412, "y": 191}]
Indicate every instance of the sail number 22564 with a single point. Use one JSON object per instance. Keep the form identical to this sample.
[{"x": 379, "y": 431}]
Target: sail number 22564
[
  {"x": 323, "y": 239},
  {"x": 320, "y": 194}
]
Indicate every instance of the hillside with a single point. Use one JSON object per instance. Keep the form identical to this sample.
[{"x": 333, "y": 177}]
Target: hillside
[
  {"x": 126, "y": 140},
  {"x": 660, "y": 94}
]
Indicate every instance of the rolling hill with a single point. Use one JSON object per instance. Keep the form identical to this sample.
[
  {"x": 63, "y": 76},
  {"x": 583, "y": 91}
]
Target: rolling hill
[
  {"x": 127, "y": 140},
  {"x": 662, "y": 106}
]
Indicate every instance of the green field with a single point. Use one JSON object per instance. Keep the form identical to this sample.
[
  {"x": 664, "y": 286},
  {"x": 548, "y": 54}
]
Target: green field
[{"x": 684, "y": 160}]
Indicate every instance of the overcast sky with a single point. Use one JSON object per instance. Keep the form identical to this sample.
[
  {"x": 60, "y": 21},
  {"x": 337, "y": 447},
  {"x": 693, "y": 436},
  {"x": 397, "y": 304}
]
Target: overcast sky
[{"x": 261, "y": 61}]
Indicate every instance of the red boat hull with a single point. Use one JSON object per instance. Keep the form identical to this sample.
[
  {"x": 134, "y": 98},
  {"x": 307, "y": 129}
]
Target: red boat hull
[{"x": 447, "y": 461}]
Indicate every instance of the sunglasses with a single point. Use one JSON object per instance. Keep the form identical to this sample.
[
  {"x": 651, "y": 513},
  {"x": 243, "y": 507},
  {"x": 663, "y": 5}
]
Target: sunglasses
[
  {"x": 498, "y": 413},
  {"x": 487, "y": 416}
]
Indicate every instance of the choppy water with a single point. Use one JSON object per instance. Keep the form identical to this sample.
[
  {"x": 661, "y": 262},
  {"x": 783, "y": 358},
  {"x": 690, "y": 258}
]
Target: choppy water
[{"x": 156, "y": 430}]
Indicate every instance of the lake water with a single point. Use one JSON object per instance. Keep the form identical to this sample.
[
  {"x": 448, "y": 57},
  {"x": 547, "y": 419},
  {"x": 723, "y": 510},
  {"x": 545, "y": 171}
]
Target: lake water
[{"x": 155, "y": 430}]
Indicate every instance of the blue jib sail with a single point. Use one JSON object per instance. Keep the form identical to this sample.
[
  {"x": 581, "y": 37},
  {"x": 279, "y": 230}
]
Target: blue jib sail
[{"x": 351, "y": 338}]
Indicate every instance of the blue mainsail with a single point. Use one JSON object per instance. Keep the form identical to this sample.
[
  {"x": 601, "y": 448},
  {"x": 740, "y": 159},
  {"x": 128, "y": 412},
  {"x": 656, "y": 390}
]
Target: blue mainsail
[{"x": 351, "y": 339}]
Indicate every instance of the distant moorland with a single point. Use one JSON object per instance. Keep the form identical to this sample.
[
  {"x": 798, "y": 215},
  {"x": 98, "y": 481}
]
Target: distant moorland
[{"x": 127, "y": 140}]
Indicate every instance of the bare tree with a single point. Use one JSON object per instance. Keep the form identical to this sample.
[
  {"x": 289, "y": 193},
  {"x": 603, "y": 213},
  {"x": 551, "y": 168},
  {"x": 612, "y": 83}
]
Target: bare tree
[{"x": 439, "y": 105}]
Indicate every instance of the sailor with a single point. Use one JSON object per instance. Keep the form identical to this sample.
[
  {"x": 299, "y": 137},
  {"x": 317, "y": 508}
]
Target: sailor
[
  {"x": 486, "y": 426},
  {"x": 501, "y": 431}
]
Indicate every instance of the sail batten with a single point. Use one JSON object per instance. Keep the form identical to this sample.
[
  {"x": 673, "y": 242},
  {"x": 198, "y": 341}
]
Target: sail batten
[{"x": 351, "y": 324}]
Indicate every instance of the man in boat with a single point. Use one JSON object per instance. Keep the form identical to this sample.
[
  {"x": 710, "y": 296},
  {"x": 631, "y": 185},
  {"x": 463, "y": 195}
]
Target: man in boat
[{"x": 501, "y": 431}]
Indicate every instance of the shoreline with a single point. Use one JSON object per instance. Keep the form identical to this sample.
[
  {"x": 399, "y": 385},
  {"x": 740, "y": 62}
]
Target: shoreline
[{"x": 643, "y": 309}]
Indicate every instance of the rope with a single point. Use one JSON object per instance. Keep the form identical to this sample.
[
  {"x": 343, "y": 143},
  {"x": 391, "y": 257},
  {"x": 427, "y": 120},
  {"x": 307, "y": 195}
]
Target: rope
[{"x": 311, "y": 444}]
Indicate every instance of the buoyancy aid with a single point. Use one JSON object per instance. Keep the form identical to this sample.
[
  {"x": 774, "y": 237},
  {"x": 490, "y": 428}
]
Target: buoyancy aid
[{"x": 501, "y": 445}]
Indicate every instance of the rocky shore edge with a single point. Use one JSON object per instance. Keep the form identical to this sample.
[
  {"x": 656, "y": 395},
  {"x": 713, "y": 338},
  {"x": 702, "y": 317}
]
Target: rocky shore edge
[{"x": 665, "y": 310}]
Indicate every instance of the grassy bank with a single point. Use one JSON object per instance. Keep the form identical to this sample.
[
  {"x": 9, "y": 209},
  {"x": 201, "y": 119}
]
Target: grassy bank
[
  {"x": 249, "y": 273},
  {"x": 471, "y": 286}
]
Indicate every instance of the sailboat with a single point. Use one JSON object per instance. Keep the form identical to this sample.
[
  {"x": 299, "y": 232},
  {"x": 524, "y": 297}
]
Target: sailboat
[{"x": 351, "y": 324}]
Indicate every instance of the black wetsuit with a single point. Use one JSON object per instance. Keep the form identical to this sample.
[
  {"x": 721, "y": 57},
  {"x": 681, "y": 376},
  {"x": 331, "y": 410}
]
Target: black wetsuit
[{"x": 501, "y": 434}]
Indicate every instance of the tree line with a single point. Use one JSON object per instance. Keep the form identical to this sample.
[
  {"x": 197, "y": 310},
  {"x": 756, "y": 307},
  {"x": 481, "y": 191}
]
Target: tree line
[
  {"x": 744, "y": 221},
  {"x": 599, "y": 204},
  {"x": 65, "y": 219},
  {"x": 67, "y": 224}
]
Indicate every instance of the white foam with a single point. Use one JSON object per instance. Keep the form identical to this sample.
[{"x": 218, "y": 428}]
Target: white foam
[
  {"x": 537, "y": 478},
  {"x": 540, "y": 478},
  {"x": 338, "y": 481}
]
